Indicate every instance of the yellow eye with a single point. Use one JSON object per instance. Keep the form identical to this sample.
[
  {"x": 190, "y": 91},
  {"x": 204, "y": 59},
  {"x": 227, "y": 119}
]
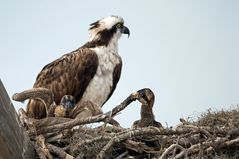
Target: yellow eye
[{"x": 119, "y": 25}]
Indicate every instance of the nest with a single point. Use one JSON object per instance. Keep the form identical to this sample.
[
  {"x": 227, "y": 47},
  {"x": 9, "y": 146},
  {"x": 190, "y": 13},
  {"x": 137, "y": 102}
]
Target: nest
[{"x": 215, "y": 134}]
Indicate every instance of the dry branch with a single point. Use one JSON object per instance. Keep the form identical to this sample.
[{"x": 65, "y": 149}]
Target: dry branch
[
  {"x": 134, "y": 133},
  {"x": 59, "y": 152},
  {"x": 41, "y": 148},
  {"x": 98, "y": 118},
  {"x": 170, "y": 148},
  {"x": 186, "y": 140}
]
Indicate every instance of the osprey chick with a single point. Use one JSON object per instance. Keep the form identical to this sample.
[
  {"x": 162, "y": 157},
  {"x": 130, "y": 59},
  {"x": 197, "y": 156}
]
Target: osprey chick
[
  {"x": 90, "y": 73},
  {"x": 66, "y": 106},
  {"x": 146, "y": 97}
]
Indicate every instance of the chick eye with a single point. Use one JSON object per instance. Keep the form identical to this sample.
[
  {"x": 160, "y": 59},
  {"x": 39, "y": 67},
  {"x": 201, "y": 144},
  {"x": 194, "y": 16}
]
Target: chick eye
[{"x": 119, "y": 25}]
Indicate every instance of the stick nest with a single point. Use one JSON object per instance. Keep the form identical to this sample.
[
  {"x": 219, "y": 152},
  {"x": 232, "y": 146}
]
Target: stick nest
[{"x": 215, "y": 134}]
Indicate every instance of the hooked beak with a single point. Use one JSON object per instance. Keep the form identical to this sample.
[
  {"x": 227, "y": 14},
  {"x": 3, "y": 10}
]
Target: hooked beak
[{"x": 125, "y": 30}]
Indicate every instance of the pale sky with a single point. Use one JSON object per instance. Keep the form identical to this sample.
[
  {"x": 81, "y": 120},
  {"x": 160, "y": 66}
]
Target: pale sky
[{"x": 187, "y": 51}]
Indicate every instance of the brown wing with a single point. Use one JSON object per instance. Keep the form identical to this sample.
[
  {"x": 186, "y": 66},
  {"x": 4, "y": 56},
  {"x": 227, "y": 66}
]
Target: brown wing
[
  {"x": 69, "y": 75},
  {"x": 116, "y": 77}
]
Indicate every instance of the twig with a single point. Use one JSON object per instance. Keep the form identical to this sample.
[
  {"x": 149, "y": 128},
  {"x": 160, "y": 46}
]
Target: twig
[
  {"x": 221, "y": 142},
  {"x": 89, "y": 141},
  {"x": 122, "y": 155},
  {"x": 200, "y": 130},
  {"x": 39, "y": 151},
  {"x": 23, "y": 116},
  {"x": 133, "y": 133},
  {"x": 170, "y": 148},
  {"x": 230, "y": 143},
  {"x": 59, "y": 152},
  {"x": 139, "y": 146},
  {"x": 98, "y": 118},
  {"x": 41, "y": 148},
  {"x": 25, "y": 121},
  {"x": 59, "y": 137},
  {"x": 200, "y": 154},
  {"x": 192, "y": 149}
]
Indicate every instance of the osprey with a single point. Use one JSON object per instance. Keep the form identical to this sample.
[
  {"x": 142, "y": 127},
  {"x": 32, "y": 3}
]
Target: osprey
[
  {"x": 146, "y": 97},
  {"x": 90, "y": 73}
]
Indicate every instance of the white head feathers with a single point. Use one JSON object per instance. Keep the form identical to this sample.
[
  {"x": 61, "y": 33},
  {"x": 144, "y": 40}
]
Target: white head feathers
[
  {"x": 109, "y": 22},
  {"x": 103, "y": 24}
]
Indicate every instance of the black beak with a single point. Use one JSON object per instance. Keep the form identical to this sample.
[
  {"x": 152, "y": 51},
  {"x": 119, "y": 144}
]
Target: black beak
[{"x": 125, "y": 30}]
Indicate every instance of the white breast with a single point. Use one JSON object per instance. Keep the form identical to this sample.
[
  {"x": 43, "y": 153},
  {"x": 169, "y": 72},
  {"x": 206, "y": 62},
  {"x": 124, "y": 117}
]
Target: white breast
[{"x": 101, "y": 84}]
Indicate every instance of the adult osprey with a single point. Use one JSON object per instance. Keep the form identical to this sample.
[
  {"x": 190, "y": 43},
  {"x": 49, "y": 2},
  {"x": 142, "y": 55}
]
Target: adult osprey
[{"x": 89, "y": 73}]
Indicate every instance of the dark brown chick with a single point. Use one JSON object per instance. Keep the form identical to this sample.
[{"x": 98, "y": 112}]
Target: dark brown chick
[{"x": 146, "y": 97}]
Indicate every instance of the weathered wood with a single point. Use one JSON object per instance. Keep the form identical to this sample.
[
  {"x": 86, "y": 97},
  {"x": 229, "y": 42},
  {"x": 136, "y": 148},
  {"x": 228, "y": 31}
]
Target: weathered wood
[{"x": 14, "y": 142}]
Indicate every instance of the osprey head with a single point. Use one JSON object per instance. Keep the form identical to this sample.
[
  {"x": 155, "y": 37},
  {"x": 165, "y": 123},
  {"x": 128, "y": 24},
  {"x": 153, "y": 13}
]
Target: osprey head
[{"x": 107, "y": 29}]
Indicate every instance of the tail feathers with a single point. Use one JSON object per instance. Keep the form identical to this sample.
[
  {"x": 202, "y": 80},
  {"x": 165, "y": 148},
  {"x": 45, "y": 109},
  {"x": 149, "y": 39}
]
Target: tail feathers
[{"x": 36, "y": 109}]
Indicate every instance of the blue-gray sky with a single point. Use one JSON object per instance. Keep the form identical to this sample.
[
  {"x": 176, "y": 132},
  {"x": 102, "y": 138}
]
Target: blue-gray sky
[{"x": 187, "y": 52}]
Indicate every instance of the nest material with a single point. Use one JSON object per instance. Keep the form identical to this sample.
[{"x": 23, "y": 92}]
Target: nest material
[{"x": 214, "y": 135}]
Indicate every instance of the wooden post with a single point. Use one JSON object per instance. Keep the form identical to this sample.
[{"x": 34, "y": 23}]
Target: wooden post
[{"x": 14, "y": 142}]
